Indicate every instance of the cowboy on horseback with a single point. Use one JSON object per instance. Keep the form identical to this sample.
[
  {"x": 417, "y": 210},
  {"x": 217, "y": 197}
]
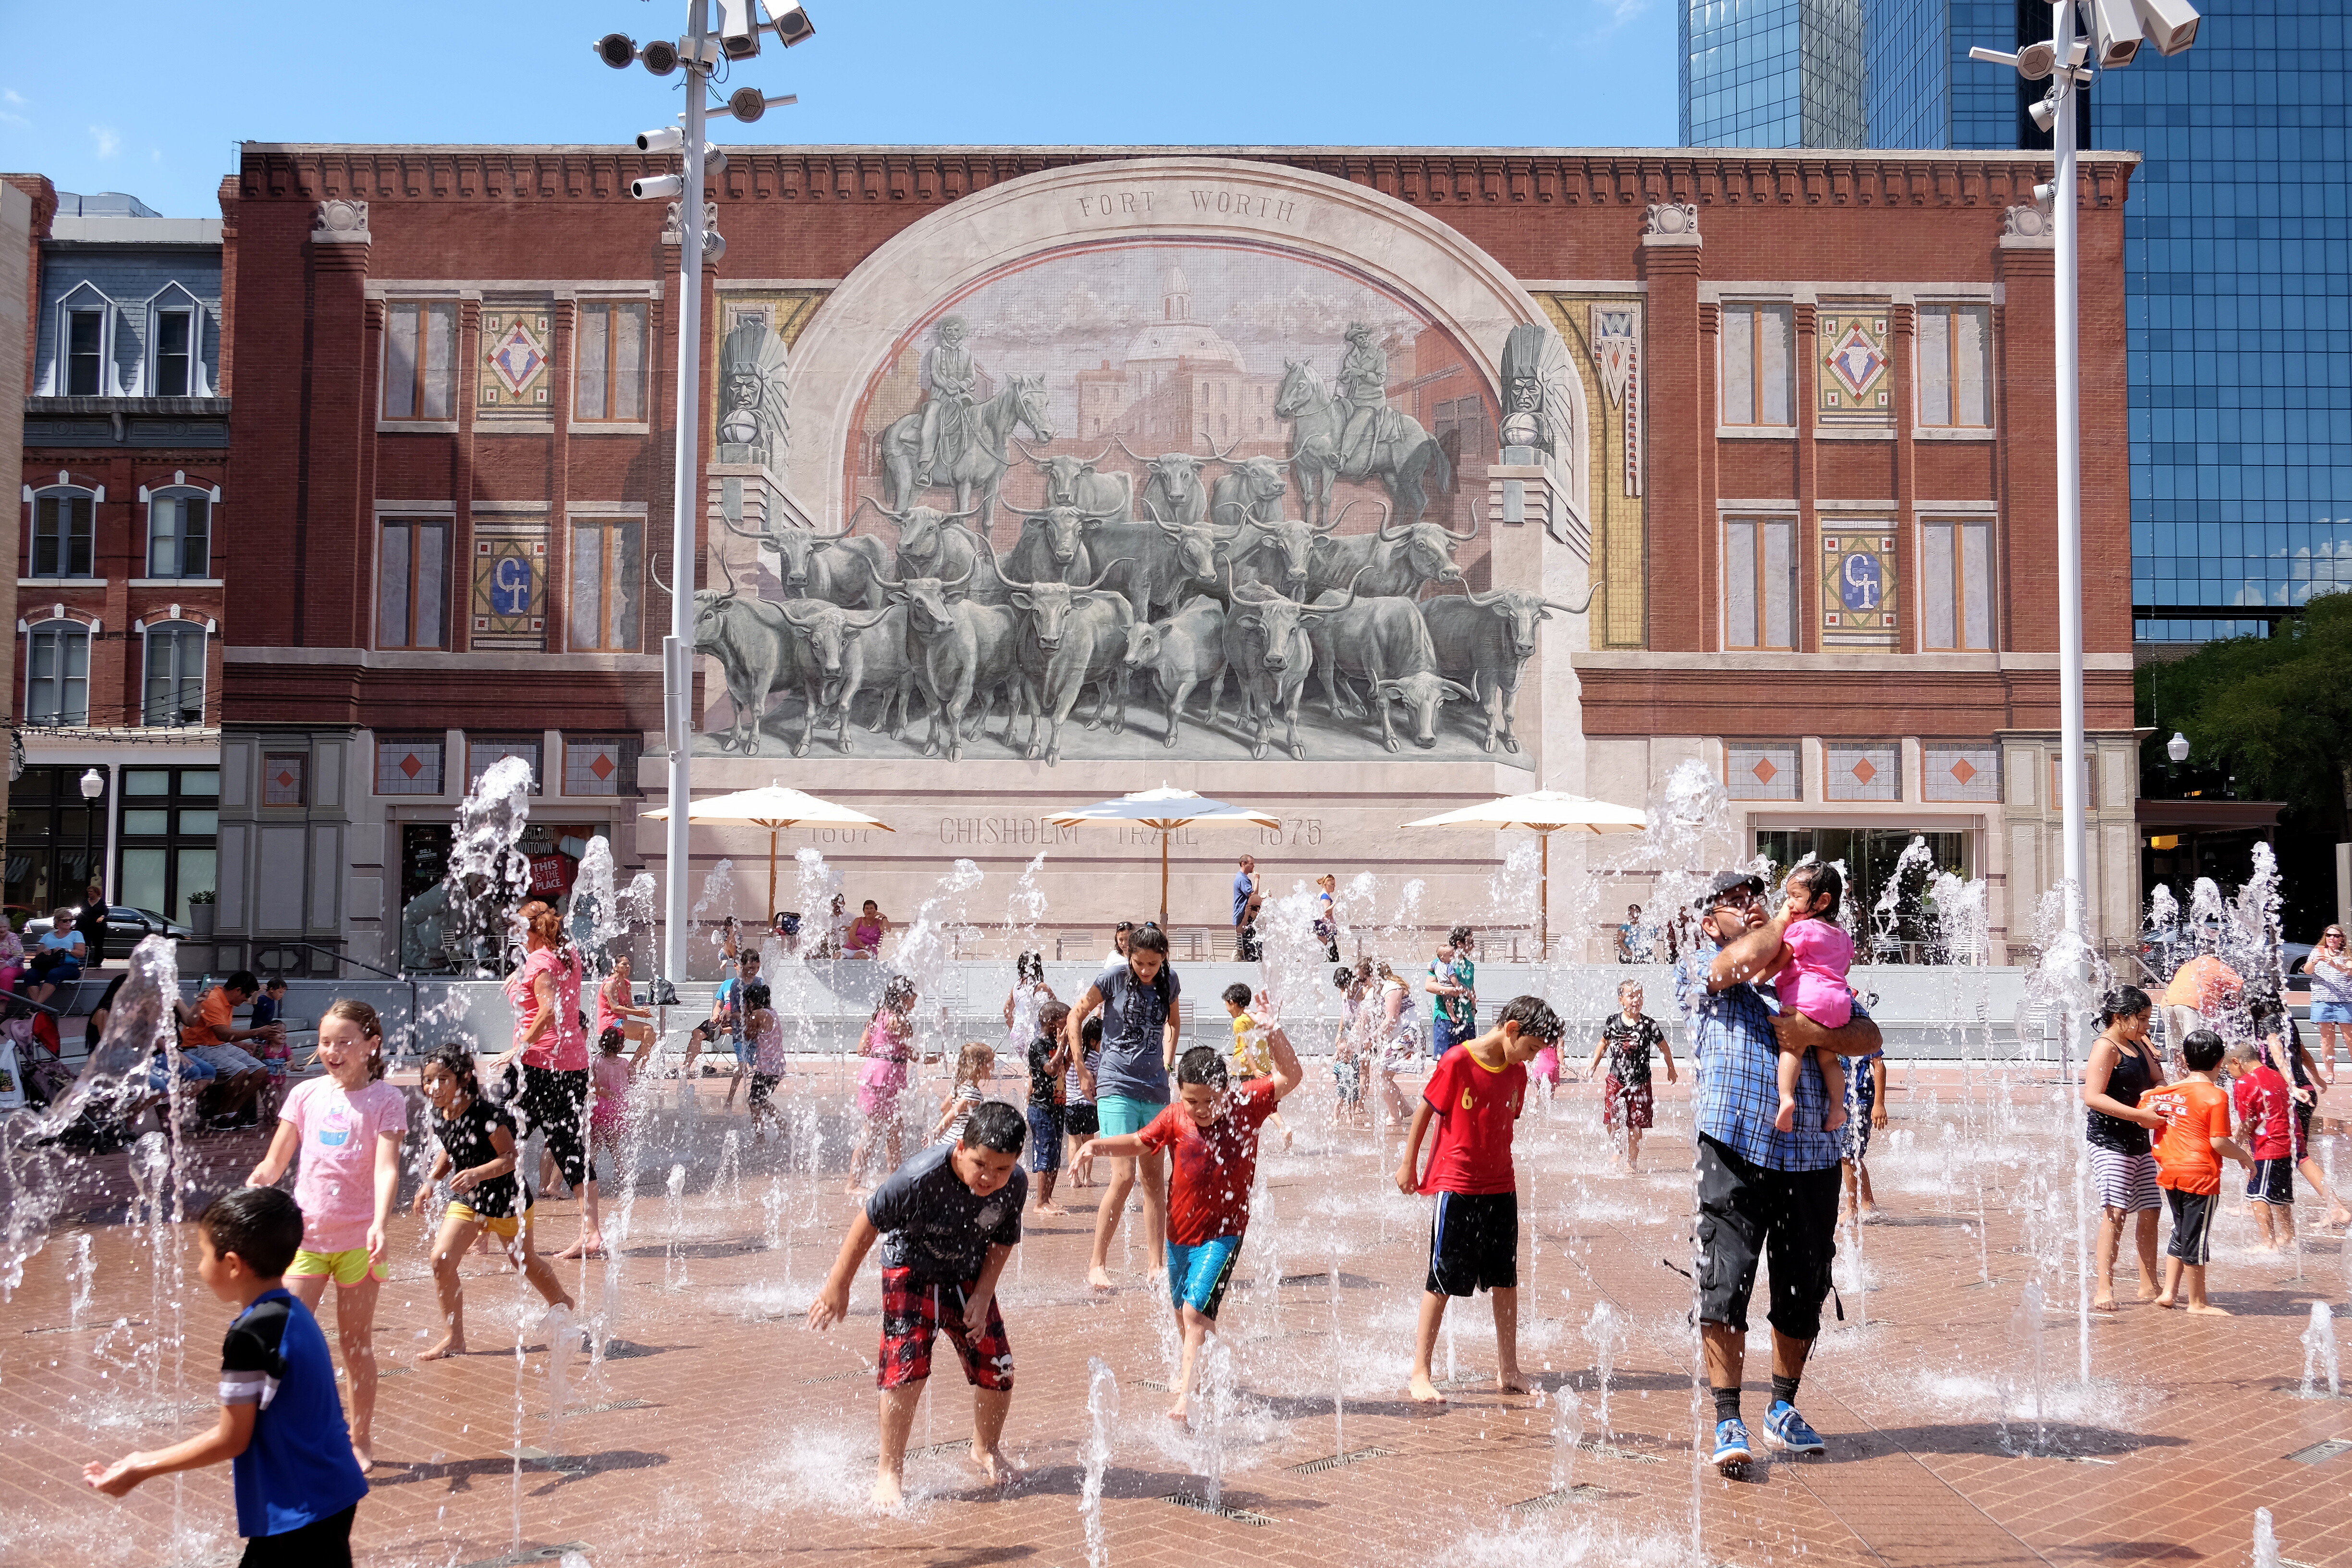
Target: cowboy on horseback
[
  {"x": 1363, "y": 385},
  {"x": 949, "y": 376}
]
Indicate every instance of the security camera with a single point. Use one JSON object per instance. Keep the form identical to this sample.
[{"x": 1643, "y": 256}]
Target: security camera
[
  {"x": 714, "y": 244},
  {"x": 659, "y": 57},
  {"x": 794, "y": 27},
  {"x": 2170, "y": 25},
  {"x": 739, "y": 29},
  {"x": 657, "y": 187},
  {"x": 665, "y": 139},
  {"x": 2045, "y": 115},
  {"x": 615, "y": 49},
  {"x": 2045, "y": 195},
  {"x": 748, "y": 103},
  {"x": 714, "y": 159}
]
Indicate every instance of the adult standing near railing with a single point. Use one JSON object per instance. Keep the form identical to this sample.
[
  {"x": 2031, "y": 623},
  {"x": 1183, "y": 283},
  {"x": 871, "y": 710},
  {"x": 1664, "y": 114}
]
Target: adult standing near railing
[
  {"x": 545, "y": 994},
  {"x": 1142, "y": 1007},
  {"x": 1247, "y": 899},
  {"x": 2330, "y": 968}
]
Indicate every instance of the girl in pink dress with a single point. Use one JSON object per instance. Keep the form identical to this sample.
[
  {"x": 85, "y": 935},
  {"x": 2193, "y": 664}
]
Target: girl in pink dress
[
  {"x": 889, "y": 1047},
  {"x": 1812, "y": 981}
]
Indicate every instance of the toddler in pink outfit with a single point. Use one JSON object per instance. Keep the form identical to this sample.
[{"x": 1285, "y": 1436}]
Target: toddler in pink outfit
[{"x": 1813, "y": 982}]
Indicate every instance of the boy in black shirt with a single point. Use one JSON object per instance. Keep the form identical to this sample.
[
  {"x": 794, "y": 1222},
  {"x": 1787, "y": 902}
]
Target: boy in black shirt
[
  {"x": 1627, "y": 1039},
  {"x": 1049, "y": 1060},
  {"x": 281, "y": 1426},
  {"x": 948, "y": 1219}
]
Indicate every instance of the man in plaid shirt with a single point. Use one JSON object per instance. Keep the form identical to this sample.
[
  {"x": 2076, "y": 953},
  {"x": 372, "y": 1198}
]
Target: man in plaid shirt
[{"x": 1760, "y": 1191}]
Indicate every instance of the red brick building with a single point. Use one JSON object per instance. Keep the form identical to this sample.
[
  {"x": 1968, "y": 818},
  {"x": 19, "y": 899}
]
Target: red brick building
[{"x": 1794, "y": 439}]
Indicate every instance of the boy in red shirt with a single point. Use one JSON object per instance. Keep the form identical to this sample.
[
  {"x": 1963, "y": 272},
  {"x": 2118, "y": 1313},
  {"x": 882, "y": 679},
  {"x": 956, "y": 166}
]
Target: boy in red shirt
[
  {"x": 2266, "y": 1107},
  {"x": 1475, "y": 1093},
  {"x": 1213, "y": 1129},
  {"x": 2188, "y": 1154}
]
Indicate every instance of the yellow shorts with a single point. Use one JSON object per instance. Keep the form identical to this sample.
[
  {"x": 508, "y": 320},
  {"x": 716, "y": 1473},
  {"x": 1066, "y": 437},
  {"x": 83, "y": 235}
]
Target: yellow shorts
[
  {"x": 504, "y": 1229},
  {"x": 351, "y": 1266}
]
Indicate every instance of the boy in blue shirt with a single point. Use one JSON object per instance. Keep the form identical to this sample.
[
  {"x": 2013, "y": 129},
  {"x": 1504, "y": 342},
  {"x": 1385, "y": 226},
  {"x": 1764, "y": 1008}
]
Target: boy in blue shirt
[{"x": 282, "y": 1425}]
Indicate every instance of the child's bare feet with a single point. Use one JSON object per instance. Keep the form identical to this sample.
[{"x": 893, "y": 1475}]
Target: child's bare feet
[
  {"x": 1180, "y": 1413},
  {"x": 2148, "y": 1292},
  {"x": 364, "y": 1450},
  {"x": 1512, "y": 1381},
  {"x": 451, "y": 1344},
  {"x": 888, "y": 1496},
  {"x": 1785, "y": 1120},
  {"x": 1098, "y": 1279},
  {"x": 2105, "y": 1301},
  {"x": 2207, "y": 1309},
  {"x": 1421, "y": 1391},
  {"x": 1000, "y": 1471},
  {"x": 2164, "y": 1300},
  {"x": 1052, "y": 1211},
  {"x": 1835, "y": 1119}
]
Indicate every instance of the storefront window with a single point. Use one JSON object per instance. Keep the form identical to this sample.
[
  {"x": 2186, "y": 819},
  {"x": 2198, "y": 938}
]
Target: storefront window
[
  {"x": 1908, "y": 932},
  {"x": 171, "y": 833},
  {"x": 55, "y": 842}
]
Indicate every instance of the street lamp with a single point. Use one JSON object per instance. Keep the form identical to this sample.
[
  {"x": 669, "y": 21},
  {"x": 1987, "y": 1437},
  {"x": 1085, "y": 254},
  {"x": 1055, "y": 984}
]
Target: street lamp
[
  {"x": 701, "y": 52},
  {"x": 2118, "y": 27},
  {"x": 2177, "y": 748},
  {"x": 93, "y": 784}
]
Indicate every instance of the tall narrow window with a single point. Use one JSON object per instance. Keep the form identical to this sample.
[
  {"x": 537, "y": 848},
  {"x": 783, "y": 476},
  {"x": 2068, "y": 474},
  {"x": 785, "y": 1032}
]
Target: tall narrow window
[
  {"x": 412, "y": 586},
  {"x": 57, "y": 674},
  {"x": 85, "y": 353},
  {"x": 1956, "y": 585},
  {"x": 1955, "y": 367},
  {"x": 175, "y": 337},
  {"x": 420, "y": 362},
  {"x": 611, "y": 377},
  {"x": 1757, "y": 389},
  {"x": 605, "y": 577},
  {"x": 62, "y": 535},
  {"x": 179, "y": 535},
  {"x": 1759, "y": 583},
  {"x": 175, "y": 674}
]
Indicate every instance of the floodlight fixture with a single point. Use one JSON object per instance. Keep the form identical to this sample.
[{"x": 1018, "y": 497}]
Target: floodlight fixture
[
  {"x": 662, "y": 139},
  {"x": 2115, "y": 27},
  {"x": 739, "y": 29},
  {"x": 2170, "y": 25},
  {"x": 658, "y": 187},
  {"x": 616, "y": 50},
  {"x": 714, "y": 244},
  {"x": 2044, "y": 114},
  {"x": 660, "y": 56},
  {"x": 794, "y": 27},
  {"x": 748, "y": 103}
]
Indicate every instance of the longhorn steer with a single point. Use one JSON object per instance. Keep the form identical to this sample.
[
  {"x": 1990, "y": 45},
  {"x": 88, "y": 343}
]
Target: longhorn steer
[
  {"x": 1172, "y": 485},
  {"x": 757, "y": 651},
  {"x": 1163, "y": 559},
  {"x": 833, "y": 567},
  {"x": 841, "y": 655},
  {"x": 1284, "y": 553},
  {"x": 1072, "y": 636},
  {"x": 1074, "y": 481},
  {"x": 1393, "y": 561},
  {"x": 935, "y": 544},
  {"x": 1381, "y": 641},
  {"x": 1251, "y": 492},
  {"x": 1486, "y": 640},
  {"x": 959, "y": 648},
  {"x": 1269, "y": 652},
  {"x": 1051, "y": 547},
  {"x": 1179, "y": 653}
]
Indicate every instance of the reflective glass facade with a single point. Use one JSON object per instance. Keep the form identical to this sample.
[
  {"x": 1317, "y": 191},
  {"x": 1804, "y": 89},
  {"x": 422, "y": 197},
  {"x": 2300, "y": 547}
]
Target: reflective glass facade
[
  {"x": 1771, "y": 73},
  {"x": 2238, "y": 250}
]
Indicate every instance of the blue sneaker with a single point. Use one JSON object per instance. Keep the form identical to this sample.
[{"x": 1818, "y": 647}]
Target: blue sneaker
[
  {"x": 1784, "y": 1428},
  {"x": 1731, "y": 1444}
]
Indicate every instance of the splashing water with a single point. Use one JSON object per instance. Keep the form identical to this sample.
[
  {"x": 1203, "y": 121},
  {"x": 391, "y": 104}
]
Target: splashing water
[
  {"x": 1886, "y": 914},
  {"x": 2266, "y": 1541},
  {"x": 1605, "y": 1331},
  {"x": 83, "y": 1272},
  {"x": 716, "y": 899},
  {"x": 1102, "y": 1413},
  {"x": 1212, "y": 1408},
  {"x": 1025, "y": 907},
  {"x": 673, "y": 1266},
  {"x": 1567, "y": 1437},
  {"x": 925, "y": 950},
  {"x": 488, "y": 876},
  {"x": 2319, "y": 1362},
  {"x": 597, "y": 919}
]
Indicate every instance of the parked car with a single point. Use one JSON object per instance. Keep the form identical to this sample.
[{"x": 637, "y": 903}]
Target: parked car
[{"x": 124, "y": 927}]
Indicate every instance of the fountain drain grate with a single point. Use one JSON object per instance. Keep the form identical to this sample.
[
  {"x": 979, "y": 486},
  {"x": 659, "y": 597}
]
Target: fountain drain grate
[
  {"x": 1332, "y": 1462},
  {"x": 1221, "y": 1509},
  {"x": 2296, "y": 1390},
  {"x": 836, "y": 1377},
  {"x": 1610, "y": 1451},
  {"x": 2319, "y": 1453},
  {"x": 1560, "y": 1498},
  {"x": 931, "y": 1450},
  {"x": 537, "y": 1554},
  {"x": 614, "y": 1404}
]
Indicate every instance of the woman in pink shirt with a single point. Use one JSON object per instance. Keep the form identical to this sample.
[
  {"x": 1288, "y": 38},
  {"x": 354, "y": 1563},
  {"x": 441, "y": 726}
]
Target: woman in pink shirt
[
  {"x": 348, "y": 1126},
  {"x": 545, "y": 994}
]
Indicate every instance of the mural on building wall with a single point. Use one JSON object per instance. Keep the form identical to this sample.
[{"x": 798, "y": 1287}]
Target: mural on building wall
[
  {"x": 1854, "y": 388},
  {"x": 1857, "y": 585},
  {"x": 1202, "y": 499}
]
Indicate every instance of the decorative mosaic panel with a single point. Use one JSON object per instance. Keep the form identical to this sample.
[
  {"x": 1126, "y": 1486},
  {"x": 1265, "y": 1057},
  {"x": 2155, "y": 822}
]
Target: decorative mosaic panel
[
  {"x": 285, "y": 778},
  {"x": 1961, "y": 774},
  {"x": 597, "y": 765},
  {"x": 510, "y": 599},
  {"x": 405, "y": 766},
  {"x": 1855, "y": 385},
  {"x": 1857, "y": 587},
  {"x": 514, "y": 369},
  {"x": 1865, "y": 772},
  {"x": 1763, "y": 770}
]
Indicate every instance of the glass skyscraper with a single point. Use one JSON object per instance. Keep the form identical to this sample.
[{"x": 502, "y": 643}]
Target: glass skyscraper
[
  {"x": 2238, "y": 255},
  {"x": 1772, "y": 73}
]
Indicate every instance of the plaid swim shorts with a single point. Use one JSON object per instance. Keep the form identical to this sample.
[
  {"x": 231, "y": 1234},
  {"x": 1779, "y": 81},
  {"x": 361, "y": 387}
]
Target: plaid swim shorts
[{"x": 914, "y": 1312}]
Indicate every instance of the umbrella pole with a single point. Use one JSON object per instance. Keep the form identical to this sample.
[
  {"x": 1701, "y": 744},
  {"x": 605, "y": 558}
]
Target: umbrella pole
[
  {"x": 1164, "y": 878},
  {"x": 1543, "y": 931},
  {"x": 769, "y": 915}
]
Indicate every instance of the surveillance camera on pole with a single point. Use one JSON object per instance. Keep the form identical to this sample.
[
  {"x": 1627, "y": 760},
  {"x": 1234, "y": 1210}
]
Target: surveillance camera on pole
[
  {"x": 662, "y": 139},
  {"x": 793, "y": 27},
  {"x": 739, "y": 29},
  {"x": 2170, "y": 25},
  {"x": 658, "y": 187},
  {"x": 2116, "y": 31},
  {"x": 748, "y": 103}
]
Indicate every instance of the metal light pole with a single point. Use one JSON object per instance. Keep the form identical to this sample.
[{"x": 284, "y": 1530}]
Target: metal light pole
[
  {"x": 2070, "y": 475},
  {"x": 678, "y": 648}
]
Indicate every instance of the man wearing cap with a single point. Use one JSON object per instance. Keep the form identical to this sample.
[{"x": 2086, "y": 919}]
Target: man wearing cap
[{"x": 1761, "y": 1192}]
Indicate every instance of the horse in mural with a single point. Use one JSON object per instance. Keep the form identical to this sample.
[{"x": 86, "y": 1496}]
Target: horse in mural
[
  {"x": 1400, "y": 454},
  {"x": 974, "y": 467}
]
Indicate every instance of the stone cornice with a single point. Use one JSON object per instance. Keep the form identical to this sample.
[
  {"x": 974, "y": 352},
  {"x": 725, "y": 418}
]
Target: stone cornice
[{"x": 1435, "y": 177}]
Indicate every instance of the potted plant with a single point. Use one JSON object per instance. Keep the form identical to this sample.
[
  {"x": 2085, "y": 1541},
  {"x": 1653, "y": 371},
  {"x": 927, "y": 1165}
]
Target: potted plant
[{"x": 200, "y": 915}]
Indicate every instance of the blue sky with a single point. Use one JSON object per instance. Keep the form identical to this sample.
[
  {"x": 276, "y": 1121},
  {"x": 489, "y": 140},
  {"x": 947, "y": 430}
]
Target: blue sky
[{"x": 159, "y": 108}]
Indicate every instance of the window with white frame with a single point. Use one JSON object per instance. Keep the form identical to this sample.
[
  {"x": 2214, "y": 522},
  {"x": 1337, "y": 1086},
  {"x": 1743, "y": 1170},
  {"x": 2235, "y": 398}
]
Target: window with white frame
[
  {"x": 57, "y": 674},
  {"x": 1759, "y": 583},
  {"x": 85, "y": 353},
  {"x": 1955, "y": 585},
  {"x": 63, "y": 533},
  {"x": 413, "y": 584},
  {"x": 606, "y": 575},
  {"x": 1759, "y": 385},
  {"x": 175, "y": 674},
  {"x": 609, "y": 355},
  {"x": 420, "y": 362},
  {"x": 179, "y": 533},
  {"x": 175, "y": 349},
  {"x": 1955, "y": 367}
]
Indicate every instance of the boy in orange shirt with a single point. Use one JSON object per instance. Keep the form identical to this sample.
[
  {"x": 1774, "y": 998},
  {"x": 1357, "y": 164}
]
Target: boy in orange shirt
[{"x": 2188, "y": 1154}]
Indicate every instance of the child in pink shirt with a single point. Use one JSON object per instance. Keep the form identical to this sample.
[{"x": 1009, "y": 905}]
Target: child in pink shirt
[{"x": 1813, "y": 982}]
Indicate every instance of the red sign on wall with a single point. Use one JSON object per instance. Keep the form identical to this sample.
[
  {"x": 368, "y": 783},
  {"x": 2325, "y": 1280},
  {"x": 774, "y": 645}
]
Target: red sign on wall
[{"x": 551, "y": 874}]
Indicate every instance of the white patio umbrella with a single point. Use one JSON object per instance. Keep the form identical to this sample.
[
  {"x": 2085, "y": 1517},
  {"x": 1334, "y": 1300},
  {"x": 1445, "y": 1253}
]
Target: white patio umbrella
[
  {"x": 775, "y": 809},
  {"x": 1166, "y": 809},
  {"x": 1543, "y": 812}
]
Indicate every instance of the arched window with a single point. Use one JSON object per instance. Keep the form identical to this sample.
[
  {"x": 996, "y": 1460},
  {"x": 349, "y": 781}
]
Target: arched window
[
  {"x": 63, "y": 533},
  {"x": 175, "y": 674},
  {"x": 179, "y": 531},
  {"x": 57, "y": 674}
]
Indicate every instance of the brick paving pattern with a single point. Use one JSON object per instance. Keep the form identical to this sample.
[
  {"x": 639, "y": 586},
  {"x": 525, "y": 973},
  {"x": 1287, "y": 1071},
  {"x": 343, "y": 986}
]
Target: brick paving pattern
[{"x": 714, "y": 1428}]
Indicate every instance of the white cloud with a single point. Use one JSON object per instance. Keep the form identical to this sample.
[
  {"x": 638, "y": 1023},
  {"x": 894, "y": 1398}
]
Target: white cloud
[
  {"x": 109, "y": 139},
  {"x": 14, "y": 100}
]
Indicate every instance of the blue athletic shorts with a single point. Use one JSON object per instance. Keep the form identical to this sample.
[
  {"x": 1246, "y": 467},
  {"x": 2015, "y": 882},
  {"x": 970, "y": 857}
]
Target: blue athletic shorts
[
  {"x": 1197, "y": 1276},
  {"x": 1116, "y": 1115}
]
